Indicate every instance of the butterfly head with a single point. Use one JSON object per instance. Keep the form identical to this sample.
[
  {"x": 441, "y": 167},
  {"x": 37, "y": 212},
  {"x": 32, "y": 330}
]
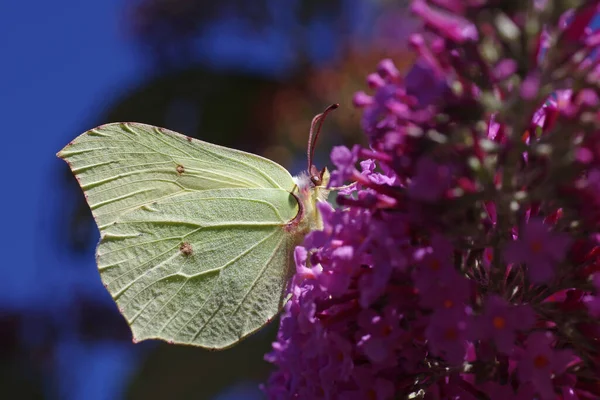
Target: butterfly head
[
  {"x": 311, "y": 189},
  {"x": 313, "y": 183},
  {"x": 317, "y": 177},
  {"x": 321, "y": 186}
]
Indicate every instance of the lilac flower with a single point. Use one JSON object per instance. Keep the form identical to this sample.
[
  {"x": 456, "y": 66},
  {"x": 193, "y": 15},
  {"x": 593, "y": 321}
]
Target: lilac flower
[
  {"x": 369, "y": 386},
  {"x": 447, "y": 334},
  {"x": 434, "y": 263},
  {"x": 372, "y": 284},
  {"x": 454, "y": 27},
  {"x": 500, "y": 321},
  {"x": 339, "y": 361},
  {"x": 337, "y": 280},
  {"x": 302, "y": 271},
  {"x": 504, "y": 69},
  {"x": 377, "y": 107},
  {"x": 379, "y": 335},
  {"x": 530, "y": 86},
  {"x": 540, "y": 249},
  {"x": 540, "y": 361},
  {"x": 397, "y": 100},
  {"x": 368, "y": 167},
  {"x": 430, "y": 182},
  {"x": 345, "y": 160},
  {"x": 425, "y": 85},
  {"x": 453, "y": 290}
]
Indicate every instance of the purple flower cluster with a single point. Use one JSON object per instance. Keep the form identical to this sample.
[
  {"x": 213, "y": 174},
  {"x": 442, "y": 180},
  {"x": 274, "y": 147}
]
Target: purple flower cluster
[{"x": 464, "y": 261}]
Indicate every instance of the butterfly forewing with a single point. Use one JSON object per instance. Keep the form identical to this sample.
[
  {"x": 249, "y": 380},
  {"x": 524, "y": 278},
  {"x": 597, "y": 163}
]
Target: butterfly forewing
[{"x": 123, "y": 166}]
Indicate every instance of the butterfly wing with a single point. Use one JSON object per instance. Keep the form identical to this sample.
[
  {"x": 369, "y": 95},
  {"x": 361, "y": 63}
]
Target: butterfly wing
[
  {"x": 123, "y": 166},
  {"x": 196, "y": 255}
]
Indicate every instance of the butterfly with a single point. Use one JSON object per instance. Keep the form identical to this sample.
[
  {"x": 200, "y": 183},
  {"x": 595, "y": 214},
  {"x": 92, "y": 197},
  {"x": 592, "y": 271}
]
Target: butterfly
[{"x": 196, "y": 240}]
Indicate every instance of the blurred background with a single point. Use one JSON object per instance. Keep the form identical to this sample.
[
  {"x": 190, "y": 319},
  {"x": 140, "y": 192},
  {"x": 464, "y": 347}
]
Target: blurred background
[{"x": 244, "y": 74}]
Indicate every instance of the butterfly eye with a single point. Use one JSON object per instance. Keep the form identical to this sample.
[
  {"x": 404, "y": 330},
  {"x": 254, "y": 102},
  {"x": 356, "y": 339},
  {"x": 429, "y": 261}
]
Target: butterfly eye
[
  {"x": 316, "y": 180},
  {"x": 316, "y": 177}
]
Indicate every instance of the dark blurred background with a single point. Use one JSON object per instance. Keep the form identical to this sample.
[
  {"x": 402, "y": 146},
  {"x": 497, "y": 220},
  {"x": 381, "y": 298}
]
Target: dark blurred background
[{"x": 245, "y": 74}]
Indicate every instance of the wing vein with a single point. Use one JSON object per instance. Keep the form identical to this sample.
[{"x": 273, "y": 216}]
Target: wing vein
[
  {"x": 117, "y": 294},
  {"x": 166, "y": 304},
  {"x": 262, "y": 271}
]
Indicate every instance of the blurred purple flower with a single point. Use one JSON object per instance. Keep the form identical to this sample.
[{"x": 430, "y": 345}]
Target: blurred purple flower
[
  {"x": 472, "y": 188},
  {"x": 369, "y": 386},
  {"x": 345, "y": 161},
  {"x": 451, "y": 290},
  {"x": 539, "y": 248},
  {"x": 447, "y": 334},
  {"x": 434, "y": 263},
  {"x": 379, "y": 335},
  {"x": 423, "y": 83},
  {"x": 540, "y": 361},
  {"x": 452, "y": 26},
  {"x": 430, "y": 182},
  {"x": 504, "y": 69},
  {"x": 500, "y": 321}
]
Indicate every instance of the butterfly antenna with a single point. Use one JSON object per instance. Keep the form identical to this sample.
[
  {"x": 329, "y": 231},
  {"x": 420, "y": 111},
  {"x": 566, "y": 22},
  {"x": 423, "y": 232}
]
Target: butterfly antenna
[{"x": 315, "y": 129}]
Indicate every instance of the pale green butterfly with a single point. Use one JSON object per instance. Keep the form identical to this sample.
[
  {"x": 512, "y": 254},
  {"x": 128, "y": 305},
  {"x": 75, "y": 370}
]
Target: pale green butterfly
[{"x": 196, "y": 240}]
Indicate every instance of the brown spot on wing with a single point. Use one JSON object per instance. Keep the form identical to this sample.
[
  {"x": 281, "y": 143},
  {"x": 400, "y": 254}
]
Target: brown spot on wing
[
  {"x": 180, "y": 169},
  {"x": 186, "y": 249}
]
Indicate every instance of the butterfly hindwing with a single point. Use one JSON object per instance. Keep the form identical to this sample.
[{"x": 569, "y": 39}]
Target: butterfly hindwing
[{"x": 205, "y": 268}]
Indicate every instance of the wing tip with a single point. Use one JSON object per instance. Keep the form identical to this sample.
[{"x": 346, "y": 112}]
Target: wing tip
[
  {"x": 102, "y": 130},
  {"x": 61, "y": 153}
]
